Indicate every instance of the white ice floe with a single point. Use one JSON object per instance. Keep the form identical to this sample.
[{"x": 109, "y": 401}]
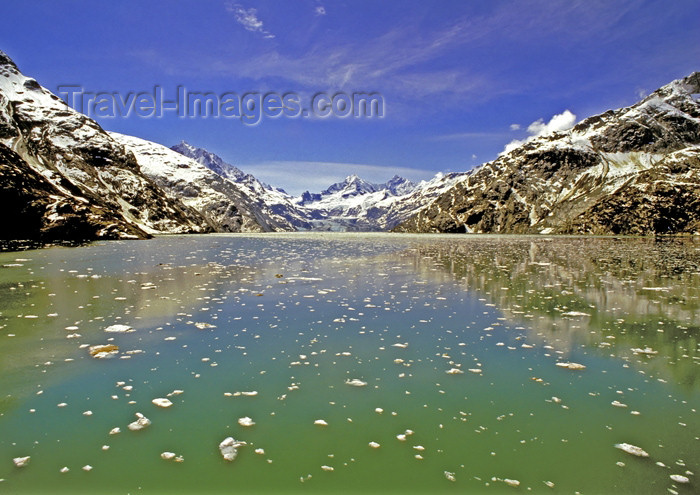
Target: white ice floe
[
  {"x": 21, "y": 461},
  {"x": 246, "y": 421},
  {"x": 327, "y": 468},
  {"x": 678, "y": 478},
  {"x": 631, "y": 449},
  {"x": 87, "y": 467},
  {"x": 454, "y": 371},
  {"x": 321, "y": 422},
  {"x": 162, "y": 402},
  {"x": 119, "y": 329},
  {"x": 355, "y": 382},
  {"x": 374, "y": 445},
  {"x": 114, "y": 431},
  {"x": 229, "y": 448},
  {"x": 450, "y": 476},
  {"x": 571, "y": 366},
  {"x": 141, "y": 423},
  {"x": 646, "y": 350}
]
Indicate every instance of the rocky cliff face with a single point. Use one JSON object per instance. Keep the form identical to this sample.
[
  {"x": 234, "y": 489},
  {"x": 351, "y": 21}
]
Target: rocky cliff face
[
  {"x": 272, "y": 210},
  {"x": 635, "y": 170},
  {"x": 73, "y": 175}
]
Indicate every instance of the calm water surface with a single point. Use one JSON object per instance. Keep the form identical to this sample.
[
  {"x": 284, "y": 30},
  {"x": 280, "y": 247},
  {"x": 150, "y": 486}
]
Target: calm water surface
[{"x": 461, "y": 342}]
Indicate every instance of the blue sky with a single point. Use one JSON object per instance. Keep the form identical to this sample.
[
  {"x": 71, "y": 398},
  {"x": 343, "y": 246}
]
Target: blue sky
[{"x": 460, "y": 79}]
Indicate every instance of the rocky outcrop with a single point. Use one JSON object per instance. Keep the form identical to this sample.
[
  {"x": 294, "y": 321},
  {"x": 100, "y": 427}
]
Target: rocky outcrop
[
  {"x": 40, "y": 211},
  {"x": 60, "y": 153},
  {"x": 630, "y": 171}
]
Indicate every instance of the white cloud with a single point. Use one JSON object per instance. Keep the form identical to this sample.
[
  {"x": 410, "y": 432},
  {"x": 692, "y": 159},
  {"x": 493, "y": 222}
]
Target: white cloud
[
  {"x": 559, "y": 122},
  {"x": 514, "y": 127},
  {"x": 248, "y": 18},
  {"x": 296, "y": 177},
  {"x": 320, "y": 10}
]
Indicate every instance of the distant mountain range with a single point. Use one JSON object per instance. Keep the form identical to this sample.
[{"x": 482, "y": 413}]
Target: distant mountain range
[{"x": 630, "y": 171}]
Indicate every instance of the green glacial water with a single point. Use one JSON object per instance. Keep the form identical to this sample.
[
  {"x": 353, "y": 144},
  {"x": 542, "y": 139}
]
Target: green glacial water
[{"x": 459, "y": 340}]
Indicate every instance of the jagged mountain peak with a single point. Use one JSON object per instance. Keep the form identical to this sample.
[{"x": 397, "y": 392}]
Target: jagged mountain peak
[{"x": 210, "y": 160}]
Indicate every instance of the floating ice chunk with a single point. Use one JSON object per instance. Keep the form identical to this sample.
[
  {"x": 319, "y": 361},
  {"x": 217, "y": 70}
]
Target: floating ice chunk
[
  {"x": 631, "y": 449},
  {"x": 647, "y": 350},
  {"x": 419, "y": 448},
  {"x": 355, "y": 382},
  {"x": 510, "y": 482},
  {"x": 114, "y": 431},
  {"x": 400, "y": 345},
  {"x": 454, "y": 371},
  {"x": 320, "y": 422},
  {"x": 378, "y": 410},
  {"x": 575, "y": 313},
  {"x": 87, "y": 467},
  {"x": 204, "y": 325},
  {"x": 168, "y": 455},
  {"x": 450, "y": 476},
  {"x": 571, "y": 366},
  {"x": 549, "y": 484},
  {"x": 246, "y": 421},
  {"x": 119, "y": 329},
  {"x": 260, "y": 451},
  {"x": 229, "y": 448},
  {"x": 374, "y": 445},
  {"x": 87, "y": 413},
  {"x": 679, "y": 478},
  {"x": 618, "y": 404},
  {"x": 64, "y": 469},
  {"x": 105, "y": 447},
  {"x": 21, "y": 461},
  {"x": 327, "y": 468},
  {"x": 105, "y": 351},
  {"x": 140, "y": 423},
  {"x": 176, "y": 392},
  {"x": 476, "y": 370},
  {"x": 161, "y": 402},
  {"x": 401, "y": 436}
]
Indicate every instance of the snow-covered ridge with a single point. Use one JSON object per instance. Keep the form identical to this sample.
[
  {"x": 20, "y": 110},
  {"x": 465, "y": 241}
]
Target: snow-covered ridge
[
  {"x": 635, "y": 170},
  {"x": 85, "y": 166}
]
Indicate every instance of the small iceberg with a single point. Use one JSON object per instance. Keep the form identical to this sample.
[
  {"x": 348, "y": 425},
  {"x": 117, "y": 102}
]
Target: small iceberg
[
  {"x": 631, "y": 449},
  {"x": 572, "y": 366},
  {"x": 356, "y": 382},
  {"x": 21, "y": 461},
  {"x": 140, "y": 423},
  {"x": 246, "y": 421},
  {"x": 229, "y": 448},
  {"x": 162, "y": 402},
  {"x": 105, "y": 351},
  {"x": 454, "y": 371},
  {"x": 321, "y": 422},
  {"x": 119, "y": 329},
  {"x": 678, "y": 478},
  {"x": 646, "y": 350}
]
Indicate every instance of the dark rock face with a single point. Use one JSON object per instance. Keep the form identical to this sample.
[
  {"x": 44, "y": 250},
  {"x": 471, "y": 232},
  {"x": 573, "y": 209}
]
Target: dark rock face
[
  {"x": 630, "y": 171},
  {"x": 41, "y": 212},
  {"x": 62, "y": 153}
]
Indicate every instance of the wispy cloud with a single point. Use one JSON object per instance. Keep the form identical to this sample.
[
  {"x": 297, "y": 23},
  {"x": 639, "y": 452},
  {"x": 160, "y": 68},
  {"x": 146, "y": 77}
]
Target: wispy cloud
[
  {"x": 296, "y": 177},
  {"x": 320, "y": 10},
  {"x": 248, "y": 18}
]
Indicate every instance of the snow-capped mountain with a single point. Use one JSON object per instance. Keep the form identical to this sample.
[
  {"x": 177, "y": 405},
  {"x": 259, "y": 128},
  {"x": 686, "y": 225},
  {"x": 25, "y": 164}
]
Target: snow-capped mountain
[
  {"x": 210, "y": 160},
  {"x": 353, "y": 204},
  {"x": 635, "y": 170},
  {"x": 71, "y": 180},
  {"x": 272, "y": 209},
  {"x": 358, "y": 205}
]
